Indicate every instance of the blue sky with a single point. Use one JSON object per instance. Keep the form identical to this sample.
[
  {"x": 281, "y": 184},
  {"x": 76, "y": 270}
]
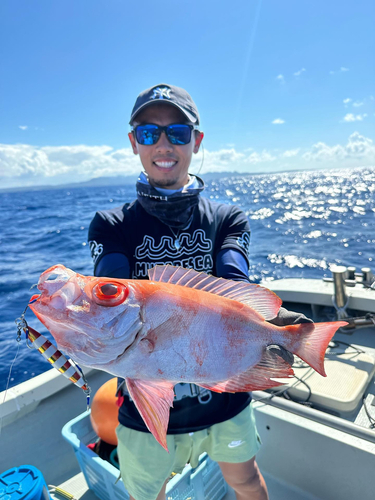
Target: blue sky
[{"x": 279, "y": 85}]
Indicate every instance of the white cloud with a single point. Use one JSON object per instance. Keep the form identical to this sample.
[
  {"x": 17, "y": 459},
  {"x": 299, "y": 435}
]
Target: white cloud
[
  {"x": 347, "y": 100},
  {"x": 290, "y": 153},
  {"x": 22, "y": 127},
  {"x": 357, "y": 104},
  {"x": 223, "y": 157},
  {"x": 358, "y": 149},
  {"x": 298, "y": 73},
  {"x": 72, "y": 162},
  {"x": 349, "y": 117},
  {"x": 278, "y": 121},
  {"x": 229, "y": 159},
  {"x": 280, "y": 78},
  {"x": 341, "y": 70},
  {"x": 263, "y": 157},
  {"x": 25, "y": 165}
]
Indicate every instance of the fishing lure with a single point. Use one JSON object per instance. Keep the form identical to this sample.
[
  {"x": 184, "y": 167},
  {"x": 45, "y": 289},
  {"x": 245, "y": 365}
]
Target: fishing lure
[{"x": 49, "y": 351}]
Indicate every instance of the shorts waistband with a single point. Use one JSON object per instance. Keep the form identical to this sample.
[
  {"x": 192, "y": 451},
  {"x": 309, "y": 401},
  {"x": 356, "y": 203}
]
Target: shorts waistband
[{"x": 182, "y": 390}]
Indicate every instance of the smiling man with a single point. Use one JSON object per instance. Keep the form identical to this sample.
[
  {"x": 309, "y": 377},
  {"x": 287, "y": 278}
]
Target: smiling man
[
  {"x": 165, "y": 164},
  {"x": 170, "y": 223}
]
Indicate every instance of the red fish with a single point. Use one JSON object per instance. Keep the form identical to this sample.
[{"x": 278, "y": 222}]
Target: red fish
[{"x": 181, "y": 326}]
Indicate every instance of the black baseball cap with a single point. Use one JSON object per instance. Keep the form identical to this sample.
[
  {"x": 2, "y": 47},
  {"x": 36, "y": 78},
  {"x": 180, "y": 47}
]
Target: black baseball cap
[{"x": 175, "y": 96}]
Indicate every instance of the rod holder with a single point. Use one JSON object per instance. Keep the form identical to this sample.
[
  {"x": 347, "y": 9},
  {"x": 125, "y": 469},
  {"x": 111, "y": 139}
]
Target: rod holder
[
  {"x": 339, "y": 274},
  {"x": 351, "y": 273},
  {"x": 367, "y": 275}
]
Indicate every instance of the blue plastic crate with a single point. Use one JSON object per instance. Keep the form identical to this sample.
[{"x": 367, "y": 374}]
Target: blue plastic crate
[{"x": 205, "y": 482}]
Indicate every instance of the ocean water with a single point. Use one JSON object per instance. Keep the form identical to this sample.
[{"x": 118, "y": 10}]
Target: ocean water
[{"x": 301, "y": 223}]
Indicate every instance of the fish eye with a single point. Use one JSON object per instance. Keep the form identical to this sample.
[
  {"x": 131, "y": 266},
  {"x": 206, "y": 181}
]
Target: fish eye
[
  {"x": 109, "y": 289},
  {"x": 109, "y": 294}
]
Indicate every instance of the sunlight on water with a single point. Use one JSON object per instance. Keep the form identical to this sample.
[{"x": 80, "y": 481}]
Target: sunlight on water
[
  {"x": 294, "y": 261},
  {"x": 301, "y": 223}
]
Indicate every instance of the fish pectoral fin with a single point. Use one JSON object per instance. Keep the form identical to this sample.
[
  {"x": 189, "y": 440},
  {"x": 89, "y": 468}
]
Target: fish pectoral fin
[
  {"x": 257, "y": 377},
  {"x": 153, "y": 398}
]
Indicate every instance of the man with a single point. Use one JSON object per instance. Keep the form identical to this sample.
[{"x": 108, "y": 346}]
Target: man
[{"x": 170, "y": 223}]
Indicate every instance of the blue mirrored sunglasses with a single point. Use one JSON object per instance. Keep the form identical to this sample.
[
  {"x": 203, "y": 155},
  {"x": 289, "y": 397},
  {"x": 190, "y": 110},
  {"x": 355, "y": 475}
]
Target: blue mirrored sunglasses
[{"x": 178, "y": 133}]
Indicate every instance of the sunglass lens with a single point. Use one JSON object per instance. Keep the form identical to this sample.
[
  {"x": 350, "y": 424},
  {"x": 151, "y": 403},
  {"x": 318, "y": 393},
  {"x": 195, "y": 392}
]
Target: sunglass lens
[
  {"x": 179, "y": 134},
  {"x": 147, "y": 134}
]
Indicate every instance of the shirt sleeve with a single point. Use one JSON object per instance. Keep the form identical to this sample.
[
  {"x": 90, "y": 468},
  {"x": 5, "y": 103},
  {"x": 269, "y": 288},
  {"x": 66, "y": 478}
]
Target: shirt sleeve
[
  {"x": 235, "y": 233},
  {"x": 113, "y": 265},
  {"x": 105, "y": 237},
  {"x": 232, "y": 265}
]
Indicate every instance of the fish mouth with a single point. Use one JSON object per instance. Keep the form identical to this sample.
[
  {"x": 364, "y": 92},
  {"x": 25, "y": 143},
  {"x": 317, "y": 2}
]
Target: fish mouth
[
  {"x": 61, "y": 289},
  {"x": 34, "y": 298}
]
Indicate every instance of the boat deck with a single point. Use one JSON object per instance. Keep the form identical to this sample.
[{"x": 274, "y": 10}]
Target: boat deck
[{"x": 277, "y": 490}]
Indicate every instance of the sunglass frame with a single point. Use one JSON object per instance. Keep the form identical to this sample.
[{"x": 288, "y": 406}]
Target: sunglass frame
[{"x": 160, "y": 129}]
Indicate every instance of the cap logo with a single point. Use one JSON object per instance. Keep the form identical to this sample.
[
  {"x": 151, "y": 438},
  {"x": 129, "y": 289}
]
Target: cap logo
[{"x": 161, "y": 93}]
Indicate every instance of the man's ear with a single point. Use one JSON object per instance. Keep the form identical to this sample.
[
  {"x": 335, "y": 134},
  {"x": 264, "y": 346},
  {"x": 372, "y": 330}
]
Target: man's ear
[
  {"x": 133, "y": 142},
  {"x": 198, "y": 139}
]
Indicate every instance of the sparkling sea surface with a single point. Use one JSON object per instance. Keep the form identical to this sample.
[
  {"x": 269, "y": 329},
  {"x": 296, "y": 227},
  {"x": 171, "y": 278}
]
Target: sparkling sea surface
[{"x": 301, "y": 223}]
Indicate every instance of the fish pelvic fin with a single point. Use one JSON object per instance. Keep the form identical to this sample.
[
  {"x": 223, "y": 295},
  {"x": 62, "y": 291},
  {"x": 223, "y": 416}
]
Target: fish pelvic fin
[
  {"x": 263, "y": 300},
  {"x": 153, "y": 400},
  {"x": 258, "y": 377},
  {"x": 309, "y": 341}
]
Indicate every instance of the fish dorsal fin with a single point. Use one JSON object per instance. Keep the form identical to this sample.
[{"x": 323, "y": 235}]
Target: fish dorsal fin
[{"x": 257, "y": 297}]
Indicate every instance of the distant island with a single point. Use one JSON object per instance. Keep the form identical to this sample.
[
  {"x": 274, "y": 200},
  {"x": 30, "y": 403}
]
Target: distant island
[
  {"x": 130, "y": 180},
  {"x": 118, "y": 180}
]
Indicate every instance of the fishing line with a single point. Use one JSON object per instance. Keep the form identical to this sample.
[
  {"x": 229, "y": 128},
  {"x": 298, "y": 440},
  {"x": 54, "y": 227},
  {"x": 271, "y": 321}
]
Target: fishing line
[
  {"x": 336, "y": 343},
  {"x": 20, "y": 322},
  {"x": 8, "y": 381},
  {"x": 284, "y": 392},
  {"x": 287, "y": 396}
]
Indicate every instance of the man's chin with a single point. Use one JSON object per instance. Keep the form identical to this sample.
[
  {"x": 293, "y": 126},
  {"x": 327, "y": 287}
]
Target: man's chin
[
  {"x": 172, "y": 183},
  {"x": 165, "y": 184}
]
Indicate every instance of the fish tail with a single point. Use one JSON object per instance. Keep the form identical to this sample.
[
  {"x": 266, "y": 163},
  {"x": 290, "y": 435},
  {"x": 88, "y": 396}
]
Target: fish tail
[{"x": 309, "y": 341}]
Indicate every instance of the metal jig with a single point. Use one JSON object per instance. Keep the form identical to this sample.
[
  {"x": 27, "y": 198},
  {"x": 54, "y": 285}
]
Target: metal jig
[{"x": 49, "y": 351}]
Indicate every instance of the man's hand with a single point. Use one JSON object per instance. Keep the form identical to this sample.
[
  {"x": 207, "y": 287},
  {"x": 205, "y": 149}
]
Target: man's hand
[{"x": 285, "y": 318}]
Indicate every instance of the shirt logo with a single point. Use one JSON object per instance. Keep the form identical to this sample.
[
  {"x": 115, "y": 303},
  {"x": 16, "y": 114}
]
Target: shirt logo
[
  {"x": 194, "y": 251},
  {"x": 234, "y": 444},
  {"x": 244, "y": 242},
  {"x": 96, "y": 249},
  {"x": 190, "y": 243},
  {"x": 161, "y": 93}
]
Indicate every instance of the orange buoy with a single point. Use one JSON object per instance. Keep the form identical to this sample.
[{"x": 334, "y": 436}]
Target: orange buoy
[{"x": 104, "y": 412}]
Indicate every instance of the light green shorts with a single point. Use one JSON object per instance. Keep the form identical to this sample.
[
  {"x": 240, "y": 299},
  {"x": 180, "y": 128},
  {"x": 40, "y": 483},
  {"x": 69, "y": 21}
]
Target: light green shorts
[{"x": 145, "y": 465}]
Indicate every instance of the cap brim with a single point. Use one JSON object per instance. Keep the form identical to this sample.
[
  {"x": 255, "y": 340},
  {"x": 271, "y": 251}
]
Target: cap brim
[{"x": 188, "y": 115}]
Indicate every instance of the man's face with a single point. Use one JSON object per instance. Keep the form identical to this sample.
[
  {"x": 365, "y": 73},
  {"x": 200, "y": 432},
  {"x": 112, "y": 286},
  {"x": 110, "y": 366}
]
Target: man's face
[{"x": 166, "y": 164}]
